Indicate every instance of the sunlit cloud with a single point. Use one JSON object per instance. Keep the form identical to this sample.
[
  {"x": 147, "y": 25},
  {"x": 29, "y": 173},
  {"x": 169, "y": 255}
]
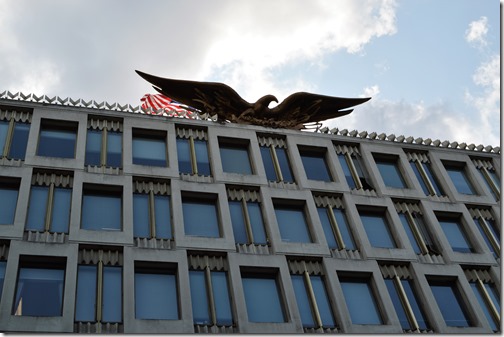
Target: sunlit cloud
[{"x": 477, "y": 32}]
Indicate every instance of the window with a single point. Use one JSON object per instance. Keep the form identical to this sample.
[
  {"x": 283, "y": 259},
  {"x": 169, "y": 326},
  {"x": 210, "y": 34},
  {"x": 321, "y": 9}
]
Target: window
[
  {"x": 414, "y": 226},
  {"x": 149, "y": 148},
  {"x": 210, "y": 298},
  {"x": 104, "y": 143},
  {"x": 3, "y": 265},
  {"x": 420, "y": 165},
  {"x": 406, "y": 304},
  {"x": 40, "y": 285},
  {"x": 276, "y": 162},
  {"x": 9, "y": 191},
  {"x": 192, "y": 152},
  {"x": 390, "y": 172},
  {"x": 360, "y": 300},
  {"x": 488, "y": 228},
  {"x": 455, "y": 234},
  {"x": 292, "y": 223},
  {"x": 14, "y": 135},
  {"x": 315, "y": 165},
  {"x": 50, "y": 200},
  {"x": 263, "y": 298},
  {"x": 246, "y": 217},
  {"x": 489, "y": 175},
  {"x": 377, "y": 229},
  {"x": 450, "y": 303},
  {"x": 151, "y": 210},
  {"x": 57, "y": 139},
  {"x": 334, "y": 223},
  {"x": 488, "y": 297},
  {"x": 459, "y": 179},
  {"x": 156, "y": 295},
  {"x": 200, "y": 217},
  {"x": 311, "y": 295},
  {"x": 101, "y": 208},
  {"x": 349, "y": 158},
  {"x": 99, "y": 287},
  {"x": 234, "y": 156}
]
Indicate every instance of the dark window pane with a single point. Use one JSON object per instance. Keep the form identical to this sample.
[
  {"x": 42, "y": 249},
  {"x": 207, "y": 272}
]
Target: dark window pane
[
  {"x": 101, "y": 212},
  {"x": 409, "y": 232},
  {"x": 221, "y": 298},
  {"x": 200, "y": 218},
  {"x": 262, "y": 300},
  {"x": 269, "y": 167},
  {"x": 163, "y": 216},
  {"x": 37, "y": 208},
  {"x": 149, "y": 151},
  {"x": 200, "y": 147},
  {"x": 235, "y": 160},
  {"x": 2, "y": 276},
  {"x": 199, "y": 297},
  {"x": 315, "y": 167},
  {"x": 459, "y": 179},
  {"x": 360, "y": 302},
  {"x": 303, "y": 301},
  {"x": 456, "y": 237},
  {"x": 4, "y": 128},
  {"x": 346, "y": 171},
  {"x": 256, "y": 221},
  {"x": 114, "y": 149},
  {"x": 39, "y": 292},
  {"x": 484, "y": 306},
  {"x": 292, "y": 225},
  {"x": 156, "y": 296},
  {"x": 341, "y": 219},
  {"x": 8, "y": 202},
  {"x": 398, "y": 306},
  {"x": 419, "y": 178},
  {"x": 283, "y": 161},
  {"x": 93, "y": 147},
  {"x": 61, "y": 210},
  {"x": 377, "y": 230},
  {"x": 184, "y": 155},
  {"x": 319, "y": 290},
  {"x": 141, "y": 227},
  {"x": 112, "y": 294},
  {"x": 449, "y": 303},
  {"x": 432, "y": 179},
  {"x": 57, "y": 143},
  {"x": 485, "y": 237},
  {"x": 326, "y": 226},
  {"x": 494, "y": 296},
  {"x": 390, "y": 174},
  {"x": 422, "y": 323},
  {"x": 238, "y": 222},
  {"x": 86, "y": 294},
  {"x": 495, "y": 230},
  {"x": 19, "y": 140}
]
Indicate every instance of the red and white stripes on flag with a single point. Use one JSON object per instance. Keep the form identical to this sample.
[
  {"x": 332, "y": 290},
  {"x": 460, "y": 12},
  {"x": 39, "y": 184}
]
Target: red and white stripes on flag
[{"x": 168, "y": 106}]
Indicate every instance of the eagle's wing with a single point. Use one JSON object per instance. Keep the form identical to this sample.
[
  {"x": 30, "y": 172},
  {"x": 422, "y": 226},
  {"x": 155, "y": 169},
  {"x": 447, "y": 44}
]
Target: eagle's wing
[
  {"x": 307, "y": 107},
  {"x": 209, "y": 97}
]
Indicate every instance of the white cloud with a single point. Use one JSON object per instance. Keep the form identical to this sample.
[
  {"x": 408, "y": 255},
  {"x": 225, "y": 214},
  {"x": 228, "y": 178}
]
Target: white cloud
[{"x": 477, "y": 31}]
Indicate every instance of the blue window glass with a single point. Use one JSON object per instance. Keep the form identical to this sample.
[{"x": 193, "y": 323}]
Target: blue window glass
[
  {"x": 484, "y": 306},
  {"x": 262, "y": 299},
  {"x": 221, "y": 298},
  {"x": 150, "y": 151},
  {"x": 199, "y": 297},
  {"x": 303, "y": 301},
  {"x": 346, "y": 170},
  {"x": 184, "y": 155},
  {"x": 93, "y": 147},
  {"x": 419, "y": 177},
  {"x": 56, "y": 142},
  {"x": 342, "y": 224},
  {"x": 200, "y": 217},
  {"x": 39, "y": 292},
  {"x": 269, "y": 166},
  {"x": 203, "y": 162},
  {"x": 141, "y": 226},
  {"x": 400, "y": 307},
  {"x": 459, "y": 179},
  {"x": 377, "y": 230},
  {"x": 163, "y": 216},
  {"x": 492, "y": 292},
  {"x": 112, "y": 294},
  {"x": 315, "y": 166},
  {"x": 432, "y": 179},
  {"x": 142, "y": 216},
  {"x": 485, "y": 236},
  {"x": 450, "y": 304},
  {"x": 292, "y": 224},
  {"x": 3, "y": 264},
  {"x": 19, "y": 140},
  {"x": 360, "y": 301},
  {"x": 37, "y": 208},
  {"x": 184, "y": 150},
  {"x": 114, "y": 149},
  {"x": 101, "y": 212},
  {"x": 61, "y": 210},
  {"x": 239, "y": 225},
  {"x": 235, "y": 159},
  {"x": 4, "y": 129},
  {"x": 390, "y": 174},
  {"x": 156, "y": 295},
  {"x": 8, "y": 202},
  {"x": 455, "y": 235},
  {"x": 86, "y": 294},
  {"x": 283, "y": 162},
  {"x": 409, "y": 232}
]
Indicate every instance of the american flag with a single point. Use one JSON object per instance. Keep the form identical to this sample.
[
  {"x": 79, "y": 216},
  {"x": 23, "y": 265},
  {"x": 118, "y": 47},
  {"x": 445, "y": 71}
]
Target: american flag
[{"x": 163, "y": 105}]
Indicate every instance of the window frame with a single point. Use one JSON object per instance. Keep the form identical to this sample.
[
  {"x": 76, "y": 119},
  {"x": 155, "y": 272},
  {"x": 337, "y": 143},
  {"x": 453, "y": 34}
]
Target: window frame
[
  {"x": 460, "y": 223},
  {"x": 235, "y": 144},
  {"x": 5, "y": 152},
  {"x": 246, "y": 197},
  {"x": 191, "y": 136},
  {"x": 378, "y": 213},
  {"x": 318, "y": 153},
  {"x": 453, "y": 284},
  {"x": 282, "y": 169},
  {"x": 287, "y": 205},
  {"x": 58, "y": 125},
  {"x": 203, "y": 198},
  {"x": 394, "y": 160},
  {"x": 151, "y": 135},
  {"x": 104, "y": 127},
  {"x": 153, "y": 190},
  {"x": 11, "y": 184},
  {"x": 461, "y": 168},
  {"x": 99, "y": 190}
]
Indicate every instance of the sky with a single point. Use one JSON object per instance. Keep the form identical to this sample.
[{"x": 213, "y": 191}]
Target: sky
[{"x": 432, "y": 67}]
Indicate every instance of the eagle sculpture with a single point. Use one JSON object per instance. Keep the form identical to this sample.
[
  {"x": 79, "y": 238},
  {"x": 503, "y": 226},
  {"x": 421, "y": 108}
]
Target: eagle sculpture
[{"x": 221, "y": 100}]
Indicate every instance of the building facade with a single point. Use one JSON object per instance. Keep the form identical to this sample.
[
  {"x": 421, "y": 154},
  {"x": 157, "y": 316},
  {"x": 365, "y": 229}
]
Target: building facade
[{"x": 113, "y": 221}]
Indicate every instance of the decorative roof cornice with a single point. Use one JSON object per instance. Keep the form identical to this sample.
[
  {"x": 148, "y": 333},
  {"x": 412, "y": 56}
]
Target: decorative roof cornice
[{"x": 92, "y": 104}]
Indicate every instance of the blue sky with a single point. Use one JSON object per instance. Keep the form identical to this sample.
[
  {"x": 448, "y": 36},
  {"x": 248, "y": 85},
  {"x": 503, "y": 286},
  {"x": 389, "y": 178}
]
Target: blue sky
[{"x": 431, "y": 66}]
